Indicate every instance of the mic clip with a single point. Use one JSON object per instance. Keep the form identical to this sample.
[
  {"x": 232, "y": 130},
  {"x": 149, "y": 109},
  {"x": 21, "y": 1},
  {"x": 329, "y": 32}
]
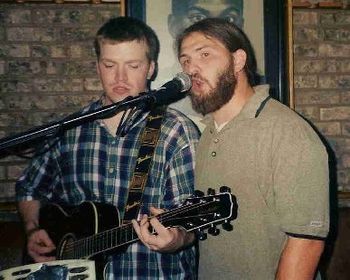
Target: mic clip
[{"x": 129, "y": 118}]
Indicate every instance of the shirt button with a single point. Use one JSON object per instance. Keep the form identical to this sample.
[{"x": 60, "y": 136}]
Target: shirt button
[
  {"x": 111, "y": 170},
  {"x": 213, "y": 154},
  {"x": 216, "y": 140}
]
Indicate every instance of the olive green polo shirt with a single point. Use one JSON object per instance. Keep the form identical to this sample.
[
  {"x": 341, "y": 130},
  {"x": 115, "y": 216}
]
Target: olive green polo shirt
[{"x": 277, "y": 167}]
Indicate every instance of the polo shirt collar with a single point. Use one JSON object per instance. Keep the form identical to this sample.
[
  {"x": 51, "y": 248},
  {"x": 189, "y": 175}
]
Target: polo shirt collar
[
  {"x": 261, "y": 92},
  {"x": 251, "y": 107}
]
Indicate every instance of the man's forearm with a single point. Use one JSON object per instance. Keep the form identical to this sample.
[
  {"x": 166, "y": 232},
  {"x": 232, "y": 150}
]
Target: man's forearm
[
  {"x": 299, "y": 259},
  {"x": 29, "y": 211}
]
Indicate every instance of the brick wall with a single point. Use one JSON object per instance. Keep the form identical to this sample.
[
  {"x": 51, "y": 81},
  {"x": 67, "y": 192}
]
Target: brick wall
[
  {"x": 322, "y": 81},
  {"x": 47, "y": 69}
]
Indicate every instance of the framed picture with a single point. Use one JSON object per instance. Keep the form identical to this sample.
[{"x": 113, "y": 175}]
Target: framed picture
[{"x": 263, "y": 21}]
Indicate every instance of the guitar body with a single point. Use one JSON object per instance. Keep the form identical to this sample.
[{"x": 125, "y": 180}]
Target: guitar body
[
  {"x": 92, "y": 229},
  {"x": 68, "y": 224}
]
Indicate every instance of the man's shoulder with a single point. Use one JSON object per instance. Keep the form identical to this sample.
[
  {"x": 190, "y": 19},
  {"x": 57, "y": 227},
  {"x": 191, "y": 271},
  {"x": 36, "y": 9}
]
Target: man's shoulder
[
  {"x": 94, "y": 104},
  {"x": 176, "y": 121},
  {"x": 287, "y": 122},
  {"x": 282, "y": 113},
  {"x": 175, "y": 117}
]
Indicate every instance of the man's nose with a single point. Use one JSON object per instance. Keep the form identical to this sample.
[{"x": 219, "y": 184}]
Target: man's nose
[
  {"x": 121, "y": 74},
  {"x": 192, "y": 68}
]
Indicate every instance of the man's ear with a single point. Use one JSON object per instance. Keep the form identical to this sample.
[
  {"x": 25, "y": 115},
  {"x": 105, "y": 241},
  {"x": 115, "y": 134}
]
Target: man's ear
[
  {"x": 152, "y": 71},
  {"x": 98, "y": 68},
  {"x": 240, "y": 59}
]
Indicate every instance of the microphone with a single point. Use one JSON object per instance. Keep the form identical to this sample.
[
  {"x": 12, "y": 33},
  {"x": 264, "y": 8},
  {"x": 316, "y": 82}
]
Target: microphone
[{"x": 170, "y": 92}]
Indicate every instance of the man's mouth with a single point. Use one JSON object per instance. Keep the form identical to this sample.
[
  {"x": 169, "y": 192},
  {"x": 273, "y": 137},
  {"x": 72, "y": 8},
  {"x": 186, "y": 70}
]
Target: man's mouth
[
  {"x": 120, "y": 90},
  {"x": 197, "y": 84}
]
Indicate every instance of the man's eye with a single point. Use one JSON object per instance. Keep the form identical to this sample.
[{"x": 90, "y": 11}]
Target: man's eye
[
  {"x": 205, "y": 54},
  {"x": 108, "y": 65},
  {"x": 134, "y": 66},
  {"x": 196, "y": 17},
  {"x": 184, "y": 62}
]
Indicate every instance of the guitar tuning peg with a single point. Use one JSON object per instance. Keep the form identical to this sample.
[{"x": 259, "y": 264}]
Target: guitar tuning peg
[
  {"x": 213, "y": 230},
  {"x": 201, "y": 235},
  {"x": 210, "y": 191},
  {"x": 198, "y": 193},
  {"x": 227, "y": 226},
  {"x": 225, "y": 189}
]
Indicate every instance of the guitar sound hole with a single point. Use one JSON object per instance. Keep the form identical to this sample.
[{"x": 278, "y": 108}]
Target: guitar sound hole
[
  {"x": 67, "y": 248},
  {"x": 78, "y": 269},
  {"x": 21, "y": 272}
]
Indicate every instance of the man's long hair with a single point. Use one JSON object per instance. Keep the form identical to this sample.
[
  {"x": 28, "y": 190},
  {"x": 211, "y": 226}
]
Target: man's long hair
[{"x": 230, "y": 35}]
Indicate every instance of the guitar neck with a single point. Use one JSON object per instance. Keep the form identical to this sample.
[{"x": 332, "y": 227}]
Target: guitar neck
[
  {"x": 120, "y": 236},
  {"x": 100, "y": 242},
  {"x": 195, "y": 214}
]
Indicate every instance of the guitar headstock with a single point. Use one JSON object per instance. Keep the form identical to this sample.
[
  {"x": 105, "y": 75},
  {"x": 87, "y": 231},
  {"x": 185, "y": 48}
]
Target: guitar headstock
[{"x": 200, "y": 212}]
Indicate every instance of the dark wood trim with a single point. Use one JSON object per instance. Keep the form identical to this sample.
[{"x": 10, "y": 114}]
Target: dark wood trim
[
  {"x": 344, "y": 195},
  {"x": 324, "y": 4}
]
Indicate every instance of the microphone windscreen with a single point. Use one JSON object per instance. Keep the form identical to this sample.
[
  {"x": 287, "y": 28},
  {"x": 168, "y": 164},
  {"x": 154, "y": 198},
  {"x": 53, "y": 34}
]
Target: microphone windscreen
[
  {"x": 185, "y": 81},
  {"x": 171, "y": 91}
]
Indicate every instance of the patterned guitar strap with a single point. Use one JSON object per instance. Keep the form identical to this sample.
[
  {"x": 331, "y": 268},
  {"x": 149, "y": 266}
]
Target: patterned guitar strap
[{"x": 149, "y": 139}]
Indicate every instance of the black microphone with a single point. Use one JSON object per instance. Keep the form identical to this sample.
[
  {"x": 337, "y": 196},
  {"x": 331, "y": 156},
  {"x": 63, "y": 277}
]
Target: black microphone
[{"x": 170, "y": 92}]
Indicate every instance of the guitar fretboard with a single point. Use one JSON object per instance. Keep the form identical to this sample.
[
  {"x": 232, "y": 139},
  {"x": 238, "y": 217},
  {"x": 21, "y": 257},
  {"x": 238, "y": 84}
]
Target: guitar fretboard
[
  {"x": 100, "y": 242},
  {"x": 190, "y": 217}
]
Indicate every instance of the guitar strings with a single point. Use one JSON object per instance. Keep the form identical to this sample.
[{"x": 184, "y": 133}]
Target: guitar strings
[{"x": 84, "y": 243}]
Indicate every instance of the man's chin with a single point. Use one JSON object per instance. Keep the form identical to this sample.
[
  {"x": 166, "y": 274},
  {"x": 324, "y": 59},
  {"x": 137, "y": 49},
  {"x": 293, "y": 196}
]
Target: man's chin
[
  {"x": 108, "y": 100},
  {"x": 194, "y": 93}
]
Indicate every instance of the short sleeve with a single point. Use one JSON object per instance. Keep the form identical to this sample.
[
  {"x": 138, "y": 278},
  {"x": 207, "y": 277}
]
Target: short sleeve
[{"x": 301, "y": 181}]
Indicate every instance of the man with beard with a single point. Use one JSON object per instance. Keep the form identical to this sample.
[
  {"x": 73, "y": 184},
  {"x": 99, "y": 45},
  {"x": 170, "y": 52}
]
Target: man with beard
[
  {"x": 183, "y": 14},
  {"x": 273, "y": 161}
]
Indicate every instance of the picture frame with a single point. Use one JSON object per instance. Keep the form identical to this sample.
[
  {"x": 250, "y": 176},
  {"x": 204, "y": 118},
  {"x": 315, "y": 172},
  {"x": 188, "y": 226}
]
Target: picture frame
[{"x": 277, "y": 48}]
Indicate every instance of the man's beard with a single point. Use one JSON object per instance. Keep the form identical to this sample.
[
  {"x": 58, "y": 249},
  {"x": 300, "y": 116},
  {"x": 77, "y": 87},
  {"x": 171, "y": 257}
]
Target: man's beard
[{"x": 218, "y": 96}]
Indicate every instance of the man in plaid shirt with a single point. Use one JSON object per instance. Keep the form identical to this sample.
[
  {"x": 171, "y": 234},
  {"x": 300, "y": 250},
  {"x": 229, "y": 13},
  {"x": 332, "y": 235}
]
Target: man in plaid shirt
[{"x": 91, "y": 163}]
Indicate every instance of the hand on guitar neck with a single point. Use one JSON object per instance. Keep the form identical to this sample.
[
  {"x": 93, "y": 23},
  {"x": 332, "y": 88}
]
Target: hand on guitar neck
[
  {"x": 167, "y": 240},
  {"x": 219, "y": 209}
]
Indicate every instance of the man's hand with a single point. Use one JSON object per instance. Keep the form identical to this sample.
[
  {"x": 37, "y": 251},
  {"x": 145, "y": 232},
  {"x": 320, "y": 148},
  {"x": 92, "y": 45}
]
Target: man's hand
[
  {"x": 39, "y": 245},
  {"x": 166, "y": 239}
]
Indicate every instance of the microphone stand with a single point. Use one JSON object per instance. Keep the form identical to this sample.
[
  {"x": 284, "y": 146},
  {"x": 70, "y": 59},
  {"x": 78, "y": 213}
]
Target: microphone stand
[{"x": 45, "y": 131}]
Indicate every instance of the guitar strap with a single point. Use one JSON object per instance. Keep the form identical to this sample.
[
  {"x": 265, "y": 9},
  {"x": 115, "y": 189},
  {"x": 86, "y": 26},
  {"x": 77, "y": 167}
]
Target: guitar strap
[{"x": 149, "y": 139}]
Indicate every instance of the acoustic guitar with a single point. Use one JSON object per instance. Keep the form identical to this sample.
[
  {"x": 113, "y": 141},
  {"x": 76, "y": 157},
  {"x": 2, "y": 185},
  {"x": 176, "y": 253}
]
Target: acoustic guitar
[{"x": 91, "y": 228}]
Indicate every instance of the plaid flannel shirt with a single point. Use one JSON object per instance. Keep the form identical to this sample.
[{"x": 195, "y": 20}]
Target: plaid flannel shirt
[{"x": 88, "y": 163}]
